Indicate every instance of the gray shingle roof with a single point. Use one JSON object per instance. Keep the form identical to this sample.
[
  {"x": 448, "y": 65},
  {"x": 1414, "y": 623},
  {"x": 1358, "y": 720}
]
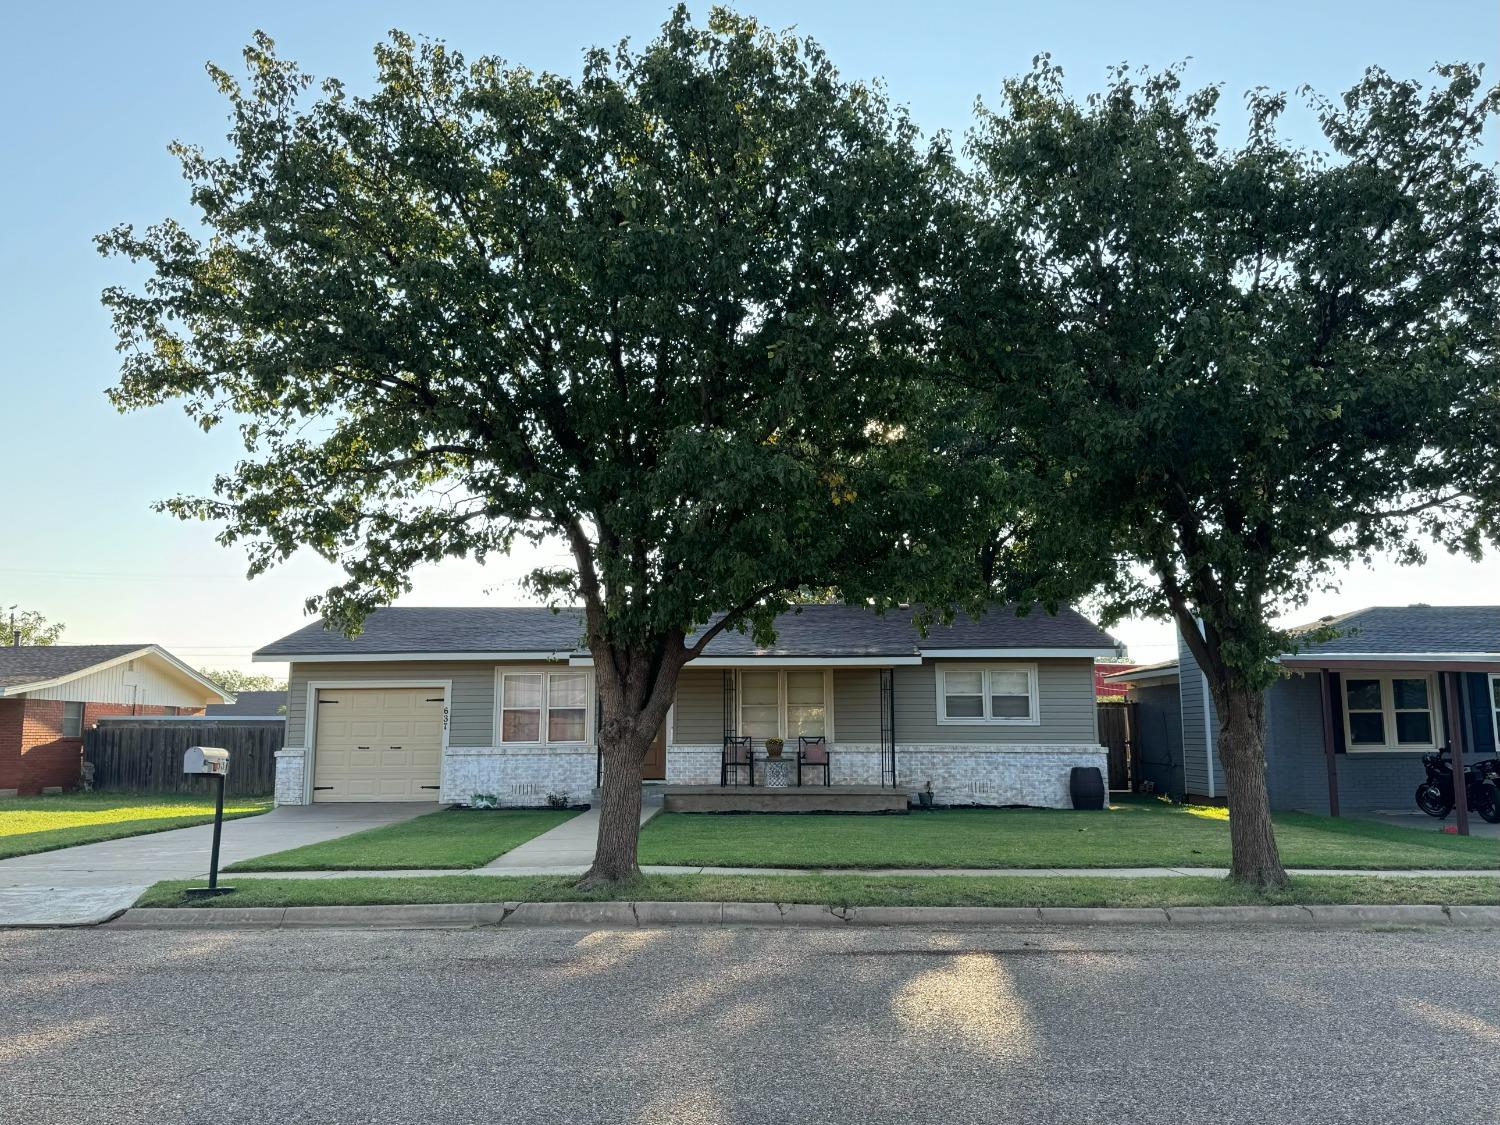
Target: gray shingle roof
[
  {"x": 819, "y": 630},
  {"x": 28, "y": 664},
  {"x": 256, "y": 704},
  {"x": 1414, "y": 629}
]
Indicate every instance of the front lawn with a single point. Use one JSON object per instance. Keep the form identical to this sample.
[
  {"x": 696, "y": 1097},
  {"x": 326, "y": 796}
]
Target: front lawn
[
  {"x": 1135, "y": 833},
  {"x": 449, "y": 838},
  {"x": 40, "y": 824},
  {"x": 842, "y": 890}
]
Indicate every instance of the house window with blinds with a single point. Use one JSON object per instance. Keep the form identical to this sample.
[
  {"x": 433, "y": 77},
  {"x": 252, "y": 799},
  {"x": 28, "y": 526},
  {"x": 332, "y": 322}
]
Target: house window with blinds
[
  {"x": 789, "y": 703},
  {"x": 1001, "y": 694}
]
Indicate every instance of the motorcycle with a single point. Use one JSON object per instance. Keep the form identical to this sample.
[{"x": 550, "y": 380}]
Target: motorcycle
[{"x": 1481, "y": 784}]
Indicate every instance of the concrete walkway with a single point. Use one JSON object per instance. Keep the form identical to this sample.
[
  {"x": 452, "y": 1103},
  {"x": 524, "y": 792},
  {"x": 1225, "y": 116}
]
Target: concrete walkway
[
  {"x": 89, "y": 883},
  {"x": 566, "y": 849}
]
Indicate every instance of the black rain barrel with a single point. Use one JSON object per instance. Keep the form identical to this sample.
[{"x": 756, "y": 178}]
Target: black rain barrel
[{"x": 1086, "y": 784}]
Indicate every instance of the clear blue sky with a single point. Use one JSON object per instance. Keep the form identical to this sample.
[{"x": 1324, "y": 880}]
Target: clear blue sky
[{"x": 94, "y": 92}]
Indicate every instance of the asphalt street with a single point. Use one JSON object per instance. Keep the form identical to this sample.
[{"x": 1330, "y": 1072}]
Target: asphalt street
[{"x": 709, "y": 1024}]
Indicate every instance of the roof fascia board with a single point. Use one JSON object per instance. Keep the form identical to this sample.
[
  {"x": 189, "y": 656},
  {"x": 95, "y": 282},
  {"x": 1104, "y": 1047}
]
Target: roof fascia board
[
  {"x": 753, "y": 661},
  {"x": 1160, "y": 676},
  {"x": 406, "y": 657},
  {"x": 191, "y": 673},
  {"x": 1007, "y": 653},
  {"x": 1327, "y": 659}
]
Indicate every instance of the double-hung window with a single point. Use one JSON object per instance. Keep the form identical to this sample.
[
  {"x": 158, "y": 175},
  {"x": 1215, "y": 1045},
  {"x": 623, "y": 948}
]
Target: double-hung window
[
  {"x": 1495, "y": 705},
  {"x": 1004, "y": 693},
  {"x": 783, "y": 704},
  {"x": 1393, "y": 712},
  {"x": 72, "y": 720},
  {"x": 567, "y": 706},
  {"x": 534, "y": 704}
]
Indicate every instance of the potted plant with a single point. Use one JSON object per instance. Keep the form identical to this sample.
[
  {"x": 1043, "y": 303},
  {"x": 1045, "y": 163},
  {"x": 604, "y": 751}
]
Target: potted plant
[
  {"x": 773, "y": 747},
  {"x": 924, "y": 798}
]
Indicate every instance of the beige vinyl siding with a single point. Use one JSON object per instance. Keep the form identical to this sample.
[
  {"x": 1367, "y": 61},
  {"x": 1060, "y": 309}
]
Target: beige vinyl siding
[
  {"x": 699, "y": 716},
  {"x": 471, "y": 719},
  {"x": 856, "y": 704},
  {"x": 1065, "y": 698},
  {"x": 151, "y": 683}
]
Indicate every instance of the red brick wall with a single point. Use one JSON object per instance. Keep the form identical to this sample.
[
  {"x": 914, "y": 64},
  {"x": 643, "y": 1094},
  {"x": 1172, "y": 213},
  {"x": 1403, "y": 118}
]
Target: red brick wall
[
  {"x": 11, "y": 712},
  {"x": 33, "y": 752}
]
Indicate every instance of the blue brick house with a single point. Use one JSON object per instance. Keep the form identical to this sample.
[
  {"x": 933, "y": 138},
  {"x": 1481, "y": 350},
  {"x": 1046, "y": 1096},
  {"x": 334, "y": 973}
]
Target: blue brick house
[{"x": 1350, "y": 719}]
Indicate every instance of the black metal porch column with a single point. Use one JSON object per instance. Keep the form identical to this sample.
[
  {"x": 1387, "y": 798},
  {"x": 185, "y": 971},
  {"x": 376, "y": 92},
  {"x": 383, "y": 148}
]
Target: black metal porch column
[
  {"x": 1330, "y": 753},
  {"x": 888, "y": 723},
  {"x": 1456, "y": 752}
]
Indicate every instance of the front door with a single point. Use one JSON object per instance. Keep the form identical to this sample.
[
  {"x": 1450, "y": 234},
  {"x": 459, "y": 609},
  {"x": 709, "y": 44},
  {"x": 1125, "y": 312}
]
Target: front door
[{"x": 654, "y": 768}]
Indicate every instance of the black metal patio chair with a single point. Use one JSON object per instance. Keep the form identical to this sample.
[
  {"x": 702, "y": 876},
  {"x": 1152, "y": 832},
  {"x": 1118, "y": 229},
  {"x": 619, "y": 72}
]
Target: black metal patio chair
[
  {"x": 739, "y": 754},
  {"x": 812, "y": 753}
]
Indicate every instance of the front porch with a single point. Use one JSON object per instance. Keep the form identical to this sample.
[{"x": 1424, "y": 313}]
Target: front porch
[{"x": 1382, "y": 713}]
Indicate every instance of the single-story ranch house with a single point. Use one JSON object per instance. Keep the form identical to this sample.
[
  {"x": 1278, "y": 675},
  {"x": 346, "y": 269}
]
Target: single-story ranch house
[
  {"x": 450, "y": 704},
  {"x": 51, "y": 694},
  {"x": 1349, "y": 723}
]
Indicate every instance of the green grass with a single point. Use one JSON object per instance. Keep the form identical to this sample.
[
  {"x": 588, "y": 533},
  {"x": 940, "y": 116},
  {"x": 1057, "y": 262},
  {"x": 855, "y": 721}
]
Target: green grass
[
  {"x": 841, "y": 890},
  {"x": 1135, "y": 833},
  {"x": 449, "y": 838},
  {"x": 40, "y": 824}
]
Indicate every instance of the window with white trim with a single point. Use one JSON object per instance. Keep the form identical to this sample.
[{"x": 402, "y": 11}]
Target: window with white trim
[
  {"x": 544, "y": 707},
  {"x": 521, "y": 707},
  {"x": 1390, "y": 712},
  {"x": 567, "y": 706},
  {"x": 789, "y": 703},
  {"x": 1004, "y": 693},
  {"x": 806, "y": 707},
  {"x": 1495, "y": 705}
]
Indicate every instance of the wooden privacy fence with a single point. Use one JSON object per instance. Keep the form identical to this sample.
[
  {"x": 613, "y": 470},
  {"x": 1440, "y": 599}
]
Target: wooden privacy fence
[
  {"x": 145, "y": 756},
  {"x": 1117, "y": 735}
]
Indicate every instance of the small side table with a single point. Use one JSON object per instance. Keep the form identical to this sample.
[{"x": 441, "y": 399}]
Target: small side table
[{"x": 779, "y": 772}]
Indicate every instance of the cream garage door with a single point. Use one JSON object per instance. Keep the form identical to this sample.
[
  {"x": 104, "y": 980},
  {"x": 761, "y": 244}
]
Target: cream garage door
[{"x": 378, "y": 744}]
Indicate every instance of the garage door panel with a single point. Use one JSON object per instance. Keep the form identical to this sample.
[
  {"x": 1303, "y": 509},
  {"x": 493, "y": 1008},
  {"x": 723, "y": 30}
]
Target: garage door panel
[{"x": 378, "y": 744}]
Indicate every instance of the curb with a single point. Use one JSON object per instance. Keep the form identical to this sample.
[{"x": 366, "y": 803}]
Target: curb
[{"x": 630, "y": 915}]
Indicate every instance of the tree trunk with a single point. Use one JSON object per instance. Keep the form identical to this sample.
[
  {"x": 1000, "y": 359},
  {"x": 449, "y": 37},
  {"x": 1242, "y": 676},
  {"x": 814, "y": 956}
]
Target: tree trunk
[
  {"x": 1254, "y": 857},
  {"x": 635, "y": 690},
  {"x": 622, "y": 750}
]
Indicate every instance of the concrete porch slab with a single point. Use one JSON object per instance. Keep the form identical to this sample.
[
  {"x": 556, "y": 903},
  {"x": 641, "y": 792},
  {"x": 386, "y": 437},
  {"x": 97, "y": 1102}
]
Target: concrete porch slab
[{"x": 793, "y": 799}]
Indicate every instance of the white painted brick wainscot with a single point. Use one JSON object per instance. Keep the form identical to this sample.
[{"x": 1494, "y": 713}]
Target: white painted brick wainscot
[
  {"x": 518, "y": 776},
  {"x": 961, "y": 773},
  {"x": 291, "y": 767},
  {"x": 985, "y": 774}
]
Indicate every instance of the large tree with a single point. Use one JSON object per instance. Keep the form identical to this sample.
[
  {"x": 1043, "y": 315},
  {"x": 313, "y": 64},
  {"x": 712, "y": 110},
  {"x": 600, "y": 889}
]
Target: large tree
[
  {"x": 232, "y": 679},
  {"x": 29, "y": 627},
  {"x": 658, "y": 312},
  {"x": 1242, "y": 367}
]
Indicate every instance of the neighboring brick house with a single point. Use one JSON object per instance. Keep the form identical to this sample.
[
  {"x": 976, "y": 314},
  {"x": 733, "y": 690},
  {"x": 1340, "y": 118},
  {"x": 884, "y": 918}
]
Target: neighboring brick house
[
  {"x": 430, "y": 704},
  {"x": 1106, "y": 688},
  {"x": 51, "y": 694}
]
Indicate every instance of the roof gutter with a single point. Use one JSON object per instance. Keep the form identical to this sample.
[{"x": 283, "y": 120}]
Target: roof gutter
[{"x": 263, "y": 657}]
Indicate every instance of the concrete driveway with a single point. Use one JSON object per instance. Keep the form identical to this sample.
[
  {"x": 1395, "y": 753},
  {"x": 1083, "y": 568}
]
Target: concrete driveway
[
  {"x": 89, "y": 883},
  {"x": 1421, "y": 822},
  {"x": 750, "y": 1026}
]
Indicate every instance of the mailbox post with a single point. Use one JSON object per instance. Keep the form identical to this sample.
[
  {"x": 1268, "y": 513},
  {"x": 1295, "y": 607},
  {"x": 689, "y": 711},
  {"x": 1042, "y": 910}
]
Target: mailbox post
[{"x": 210, "y": 761}]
